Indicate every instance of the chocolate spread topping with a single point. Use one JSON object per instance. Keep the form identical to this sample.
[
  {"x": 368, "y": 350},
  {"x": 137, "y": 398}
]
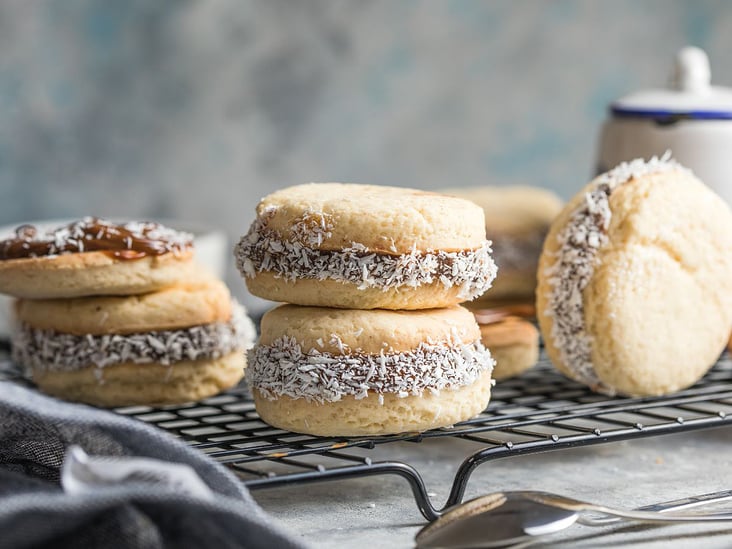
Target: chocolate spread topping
[{"x": 131, "y": 240}]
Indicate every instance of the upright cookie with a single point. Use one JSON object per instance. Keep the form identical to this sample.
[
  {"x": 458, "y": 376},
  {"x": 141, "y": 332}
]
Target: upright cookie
[
  {"x": 635, "y": 281},
  {"x": 517, "y": 219},
  {"x": 180, "y": 344},
  {"x": 365, "y": 247},
  {"x": 93, "y": 257},
  {"x": 345, "y": 372}
]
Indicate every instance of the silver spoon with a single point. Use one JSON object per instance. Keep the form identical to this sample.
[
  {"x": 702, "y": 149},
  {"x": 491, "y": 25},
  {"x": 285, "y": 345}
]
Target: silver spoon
[{"x": 506, "y": 518}]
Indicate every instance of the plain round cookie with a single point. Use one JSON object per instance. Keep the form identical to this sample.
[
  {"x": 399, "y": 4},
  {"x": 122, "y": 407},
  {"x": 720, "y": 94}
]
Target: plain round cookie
[
  {"x": 514, "y": 210},
  {"x": 364, "y": 372},
  {"x": 130, "y": 384},
  {"x": 331, "y": 293},
  {"x": 656, "y": 310},
  {"x": 91, "y": 273},
  {"x": 517, "y": 219},
  {"x": 200, "y": 300},
  {"x": 385, "y": 219},
  {"x": 365, "y": 246},
  {"x": 513, "y": 342},
  {"x": 335, "y": 331}
]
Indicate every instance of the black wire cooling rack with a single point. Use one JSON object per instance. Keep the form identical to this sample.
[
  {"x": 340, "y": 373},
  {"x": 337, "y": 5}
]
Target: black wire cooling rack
[{"x": 537, "y": 412}]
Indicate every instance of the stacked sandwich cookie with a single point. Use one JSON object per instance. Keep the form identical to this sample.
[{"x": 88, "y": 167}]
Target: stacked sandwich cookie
[
  {"x": 120, "y": 314},
  {"x": 373, "y": 339},
  {"x": 512, "y": 339},
  {"x": 517, "y": 220}
]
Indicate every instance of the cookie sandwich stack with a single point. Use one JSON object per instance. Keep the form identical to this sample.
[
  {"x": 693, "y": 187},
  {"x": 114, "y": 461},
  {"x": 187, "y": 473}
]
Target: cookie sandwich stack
[
  {"x": 512, "y": 339},
  {"x": 517, "y": 221},
  {"x": 120, "y": 314},
  {"x": 372, "y": 339}
]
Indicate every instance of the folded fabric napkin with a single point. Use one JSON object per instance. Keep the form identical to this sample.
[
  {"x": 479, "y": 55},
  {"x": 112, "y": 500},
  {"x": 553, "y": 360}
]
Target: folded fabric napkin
[{"x": 121, "y": 502}]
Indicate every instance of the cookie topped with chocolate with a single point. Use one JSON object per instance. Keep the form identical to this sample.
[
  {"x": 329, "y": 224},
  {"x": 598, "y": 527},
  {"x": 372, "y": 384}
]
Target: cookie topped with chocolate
[
  {"x": 131, "y": 240},
  {"x": 93, "y": 256}
]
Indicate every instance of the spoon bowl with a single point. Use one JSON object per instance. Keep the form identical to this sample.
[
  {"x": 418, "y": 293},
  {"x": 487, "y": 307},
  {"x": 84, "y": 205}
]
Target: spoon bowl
[
  {"x": 495, "y": 520},
  {"x": 503, "y": 519}
]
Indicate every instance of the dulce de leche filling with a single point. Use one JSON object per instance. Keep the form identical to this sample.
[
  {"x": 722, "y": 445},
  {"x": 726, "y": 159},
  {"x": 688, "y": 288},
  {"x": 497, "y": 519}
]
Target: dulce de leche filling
[{"x": 131, "y": 240}]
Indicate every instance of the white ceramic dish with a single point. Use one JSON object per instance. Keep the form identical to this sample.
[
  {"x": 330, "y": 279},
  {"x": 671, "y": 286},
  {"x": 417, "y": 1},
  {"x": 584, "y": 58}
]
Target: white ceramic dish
[{"x": 692, "y": 119}]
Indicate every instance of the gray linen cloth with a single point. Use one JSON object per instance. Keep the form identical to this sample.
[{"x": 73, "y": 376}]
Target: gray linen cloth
[{"x": 35, "y": 511}]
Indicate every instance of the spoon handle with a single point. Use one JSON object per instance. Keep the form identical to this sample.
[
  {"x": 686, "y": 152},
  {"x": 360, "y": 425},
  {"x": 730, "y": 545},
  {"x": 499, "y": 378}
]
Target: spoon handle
[
  {"x": 689, "y": 502},
  {"x": 665, "y": 507},
  {"x": 655, "y": 513}
]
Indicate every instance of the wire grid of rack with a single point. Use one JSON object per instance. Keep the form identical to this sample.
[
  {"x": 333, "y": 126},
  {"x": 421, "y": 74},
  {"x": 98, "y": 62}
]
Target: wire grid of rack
[{"x": 538, "y": 411}]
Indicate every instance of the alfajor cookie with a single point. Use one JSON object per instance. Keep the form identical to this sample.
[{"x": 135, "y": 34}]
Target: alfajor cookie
[
  {"x": 517, "y": 219},
  {"x": 93, "y": 257},
  {"x": 183, "y": 343},
  {"x": 346, "y": 372},
  {"x": 512, "y": 341},
  {"x": 364, "y": 247},
  {"x": 635, "y": 280}
]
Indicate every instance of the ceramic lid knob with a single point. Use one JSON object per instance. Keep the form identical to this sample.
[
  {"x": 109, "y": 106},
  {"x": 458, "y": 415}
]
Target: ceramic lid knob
[
  {"x": 690, "y": 94},
  {"x": 691, "y": 71}
]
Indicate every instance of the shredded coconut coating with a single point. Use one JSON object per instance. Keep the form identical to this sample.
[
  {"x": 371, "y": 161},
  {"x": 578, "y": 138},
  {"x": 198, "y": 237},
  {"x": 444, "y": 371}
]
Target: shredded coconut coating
[
  {"x": 263, "y": 249},
  {"x": 282, "y": 368},
  {"x": 46, "y": 350},
  {"x": 580, "y": 240}
]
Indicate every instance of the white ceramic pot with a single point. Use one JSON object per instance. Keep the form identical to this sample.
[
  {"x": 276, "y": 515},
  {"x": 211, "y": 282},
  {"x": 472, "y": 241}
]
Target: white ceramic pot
[{"x": 691, "y": 118}]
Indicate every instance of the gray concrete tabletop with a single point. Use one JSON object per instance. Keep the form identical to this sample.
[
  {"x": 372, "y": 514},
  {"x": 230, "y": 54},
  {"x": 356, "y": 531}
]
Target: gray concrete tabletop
[{"x": 380, "y": 511}]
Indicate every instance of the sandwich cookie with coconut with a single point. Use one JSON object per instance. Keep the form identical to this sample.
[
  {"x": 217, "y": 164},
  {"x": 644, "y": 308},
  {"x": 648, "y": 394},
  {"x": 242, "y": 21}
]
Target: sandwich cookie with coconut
[
  {"x": 365, "y": 247},
  {"x": 635, "y": 280},
  {"x": 346, "y": 372},
  {"x": 517, "y": 219},
  {"x": 181, "y": 343},
  {"x": 512, "y": 339}
]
